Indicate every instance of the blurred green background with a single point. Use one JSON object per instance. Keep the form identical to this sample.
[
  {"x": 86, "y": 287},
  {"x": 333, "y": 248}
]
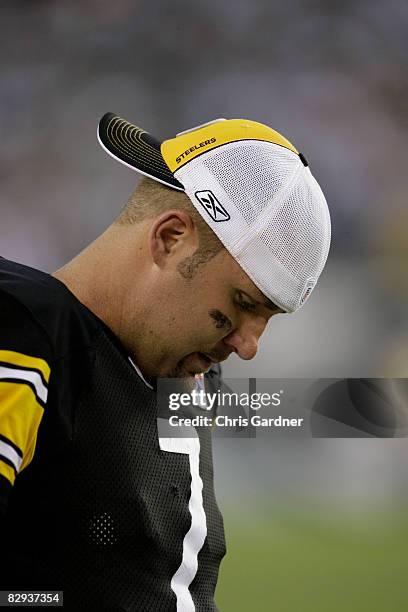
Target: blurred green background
[{"x": 297, "y": 560}]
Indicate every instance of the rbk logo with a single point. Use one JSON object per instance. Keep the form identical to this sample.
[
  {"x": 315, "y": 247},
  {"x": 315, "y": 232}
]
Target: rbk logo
[{"x": 216, "y": 210}]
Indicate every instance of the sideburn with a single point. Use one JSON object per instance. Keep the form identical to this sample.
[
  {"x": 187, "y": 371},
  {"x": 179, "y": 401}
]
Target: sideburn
[{"x": 188, "y": 268}]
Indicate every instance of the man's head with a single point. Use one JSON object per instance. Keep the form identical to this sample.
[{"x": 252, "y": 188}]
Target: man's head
[
  {"x": 193, "y": 271},
  {"x": 194, "y": 301}
]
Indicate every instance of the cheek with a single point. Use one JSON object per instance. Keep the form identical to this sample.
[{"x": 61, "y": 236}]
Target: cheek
[{"x": 199, "y": 332}]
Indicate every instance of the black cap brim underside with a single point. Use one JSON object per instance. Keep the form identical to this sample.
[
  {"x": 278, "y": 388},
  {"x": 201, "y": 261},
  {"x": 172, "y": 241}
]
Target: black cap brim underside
[{"x": 135, "y": 148}]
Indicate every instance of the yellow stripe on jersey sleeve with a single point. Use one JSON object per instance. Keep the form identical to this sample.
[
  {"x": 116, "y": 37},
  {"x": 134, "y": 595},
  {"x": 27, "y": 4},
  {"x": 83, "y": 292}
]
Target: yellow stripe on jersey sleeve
[
  {"x": 26, "y": 361},
  {"x": 20, "y": 417},
  {"x": 7, "y": 471}
]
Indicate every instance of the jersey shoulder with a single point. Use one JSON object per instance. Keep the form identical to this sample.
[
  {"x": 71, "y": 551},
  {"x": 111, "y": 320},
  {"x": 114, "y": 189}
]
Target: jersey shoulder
[{"x": 37, "y": 299}]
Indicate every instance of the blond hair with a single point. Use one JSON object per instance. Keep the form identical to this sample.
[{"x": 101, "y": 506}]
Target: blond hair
[{"x": 151, "y": 199}]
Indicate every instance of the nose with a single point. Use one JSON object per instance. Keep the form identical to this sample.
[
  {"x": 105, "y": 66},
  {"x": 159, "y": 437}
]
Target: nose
[{"x": 244, "y": 341}]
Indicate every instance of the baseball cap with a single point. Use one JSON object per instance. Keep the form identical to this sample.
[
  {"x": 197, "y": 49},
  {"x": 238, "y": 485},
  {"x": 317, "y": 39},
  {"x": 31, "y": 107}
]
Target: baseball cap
[{"x": 252, "y": 187}]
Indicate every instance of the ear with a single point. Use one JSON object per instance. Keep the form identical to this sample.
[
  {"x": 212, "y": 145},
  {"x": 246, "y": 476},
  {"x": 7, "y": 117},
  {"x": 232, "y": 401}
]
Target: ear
[{"x": 172, "y": 237}]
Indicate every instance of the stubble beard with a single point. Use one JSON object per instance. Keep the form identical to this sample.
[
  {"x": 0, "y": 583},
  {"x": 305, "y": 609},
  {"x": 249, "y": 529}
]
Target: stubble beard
[{"x": 180, "y": 371}]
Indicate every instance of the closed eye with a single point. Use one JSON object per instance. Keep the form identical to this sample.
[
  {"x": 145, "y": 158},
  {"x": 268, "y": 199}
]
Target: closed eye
[{"x": 245, "y": 305}]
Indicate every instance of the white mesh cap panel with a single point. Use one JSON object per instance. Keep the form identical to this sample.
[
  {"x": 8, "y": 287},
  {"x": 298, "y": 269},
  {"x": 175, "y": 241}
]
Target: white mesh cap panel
[
  {"x": 279, "y": 225},
  {"x": 299, "y": 233},
  {"x": 245, "y": 172}
]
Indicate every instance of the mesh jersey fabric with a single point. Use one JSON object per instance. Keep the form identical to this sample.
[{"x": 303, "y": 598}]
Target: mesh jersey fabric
[{"x": 100, "y": 512}]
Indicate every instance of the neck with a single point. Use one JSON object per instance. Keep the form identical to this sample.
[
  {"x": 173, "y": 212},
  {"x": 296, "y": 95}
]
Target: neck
[{"x": 99, "y": 275}]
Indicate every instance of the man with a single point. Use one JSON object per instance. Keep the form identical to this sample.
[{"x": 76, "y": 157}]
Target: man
[{"x": 229, "y": 229}]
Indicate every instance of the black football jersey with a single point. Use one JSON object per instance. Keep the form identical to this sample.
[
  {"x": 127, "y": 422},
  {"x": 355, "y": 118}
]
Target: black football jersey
[{"x": 92, "y": 501}]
